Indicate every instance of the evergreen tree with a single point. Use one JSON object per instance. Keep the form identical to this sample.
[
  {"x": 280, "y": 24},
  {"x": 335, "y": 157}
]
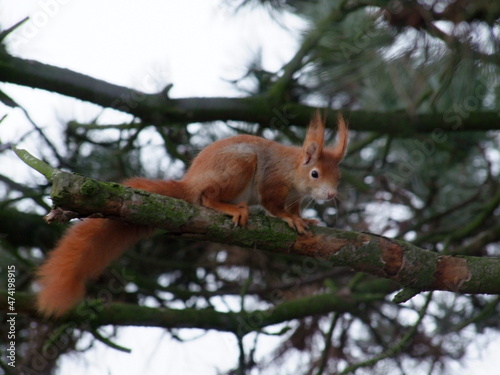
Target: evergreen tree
[{"x": 418, "y": 82}]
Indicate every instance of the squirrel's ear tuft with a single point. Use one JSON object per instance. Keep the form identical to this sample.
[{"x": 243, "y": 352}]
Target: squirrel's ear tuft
[
  {"x": 315, "y": 133},
  {"x": 342, "y": 138}
]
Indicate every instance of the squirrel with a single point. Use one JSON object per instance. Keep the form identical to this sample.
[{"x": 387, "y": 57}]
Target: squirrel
[{"x": 227, "y": 176}]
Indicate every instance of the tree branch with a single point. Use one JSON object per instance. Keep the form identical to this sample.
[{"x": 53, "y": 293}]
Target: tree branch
[
  {"x": 158, "y": 108},
  {"x": 242, "y": 322},
  {"x": 400, "y": 261}
]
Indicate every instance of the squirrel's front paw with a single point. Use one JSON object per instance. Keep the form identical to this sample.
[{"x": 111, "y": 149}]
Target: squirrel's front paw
[{"x": 297, "y": 223}]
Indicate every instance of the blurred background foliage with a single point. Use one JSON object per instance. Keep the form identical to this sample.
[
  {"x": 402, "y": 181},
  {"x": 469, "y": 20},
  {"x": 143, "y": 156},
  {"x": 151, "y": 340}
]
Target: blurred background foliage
[{"x": 438, "y": 190}]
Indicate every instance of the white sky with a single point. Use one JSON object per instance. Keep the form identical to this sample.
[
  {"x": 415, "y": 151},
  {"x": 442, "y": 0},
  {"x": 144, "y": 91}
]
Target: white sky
[{"x": 194, "y": 44}]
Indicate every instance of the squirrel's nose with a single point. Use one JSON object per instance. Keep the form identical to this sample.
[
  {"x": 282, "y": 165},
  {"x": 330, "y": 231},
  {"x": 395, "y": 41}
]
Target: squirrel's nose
[{"x": 331, "y": 194}]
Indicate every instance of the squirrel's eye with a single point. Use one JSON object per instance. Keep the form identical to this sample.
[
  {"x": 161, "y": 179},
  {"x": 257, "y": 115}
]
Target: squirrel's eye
[{"x": 314, "y": 174}]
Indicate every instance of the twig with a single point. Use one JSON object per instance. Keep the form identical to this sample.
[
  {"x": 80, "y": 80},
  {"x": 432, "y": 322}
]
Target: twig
[
  {"x": 6, "y": 32},
  {"x": 396, "y": 348},
  {"x": 35, "y": 163},
  {"x": 108, "y": 342},
  {"x": 328, "y": 344}
]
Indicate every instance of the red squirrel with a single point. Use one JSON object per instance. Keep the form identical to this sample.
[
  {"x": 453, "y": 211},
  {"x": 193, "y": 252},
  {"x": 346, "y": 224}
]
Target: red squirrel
[{"x": 228, "y": 175}]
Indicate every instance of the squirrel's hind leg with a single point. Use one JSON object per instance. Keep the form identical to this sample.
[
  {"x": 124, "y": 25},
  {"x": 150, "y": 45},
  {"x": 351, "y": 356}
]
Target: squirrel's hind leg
[{"x": 232, "y": 184}]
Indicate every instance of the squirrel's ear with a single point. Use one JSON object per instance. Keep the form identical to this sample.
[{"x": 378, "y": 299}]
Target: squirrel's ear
[
  {"x": 311, "y": 153},
  {"x": 342, "y": 139}
]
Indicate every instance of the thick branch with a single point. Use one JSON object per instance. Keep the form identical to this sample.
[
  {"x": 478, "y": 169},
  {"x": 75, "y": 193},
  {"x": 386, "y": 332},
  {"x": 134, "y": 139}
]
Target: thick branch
[
  {"x": 399, "y": 261},
  {"x": 241, "y": 322},
  {"x": 158, "y": 108}
]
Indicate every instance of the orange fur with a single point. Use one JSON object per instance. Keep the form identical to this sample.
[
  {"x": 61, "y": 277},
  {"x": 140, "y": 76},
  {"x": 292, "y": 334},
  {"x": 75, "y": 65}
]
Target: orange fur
[{"x": 227, "y": 176}]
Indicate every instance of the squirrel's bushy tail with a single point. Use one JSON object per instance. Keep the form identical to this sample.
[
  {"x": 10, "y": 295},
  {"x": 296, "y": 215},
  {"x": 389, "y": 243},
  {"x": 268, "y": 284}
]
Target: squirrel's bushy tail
[{"x": 87, "y": 248}]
